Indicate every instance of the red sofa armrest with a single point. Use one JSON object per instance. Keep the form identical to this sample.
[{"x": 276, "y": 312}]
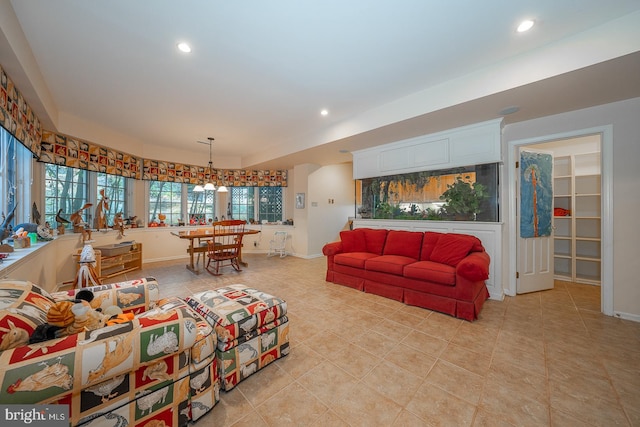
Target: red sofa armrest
[
  {"x": 474, "y": 267},
  {"x": 332, "y": 248}
]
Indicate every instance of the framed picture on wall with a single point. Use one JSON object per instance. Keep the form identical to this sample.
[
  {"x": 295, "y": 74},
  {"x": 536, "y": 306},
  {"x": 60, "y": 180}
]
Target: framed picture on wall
[{"x": 299, "y": 200}]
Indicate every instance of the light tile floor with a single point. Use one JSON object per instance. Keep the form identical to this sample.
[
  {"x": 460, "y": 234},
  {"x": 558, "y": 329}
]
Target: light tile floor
[{"x": 547, "y": 358}]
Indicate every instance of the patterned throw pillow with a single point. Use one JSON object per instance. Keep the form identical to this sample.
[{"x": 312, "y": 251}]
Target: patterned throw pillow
[{"x": 23, "y": 306}]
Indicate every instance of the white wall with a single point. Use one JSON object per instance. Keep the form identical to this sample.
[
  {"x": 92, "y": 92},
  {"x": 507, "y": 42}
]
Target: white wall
[
  {"x": 321, "y": 221},
  {"x": 624, "y": 117},
  {"x": 301, "y": 216},
  {"x": 331, "y": 203}
]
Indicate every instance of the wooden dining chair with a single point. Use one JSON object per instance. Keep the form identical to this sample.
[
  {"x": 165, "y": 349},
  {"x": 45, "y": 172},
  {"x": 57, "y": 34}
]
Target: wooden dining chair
[
  {"x": 225, "y": 246},
  {"x": 203, "y": 242}
]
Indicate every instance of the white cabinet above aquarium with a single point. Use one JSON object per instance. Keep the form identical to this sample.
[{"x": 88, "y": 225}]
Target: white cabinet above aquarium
[{"x": 468, "y": 145}]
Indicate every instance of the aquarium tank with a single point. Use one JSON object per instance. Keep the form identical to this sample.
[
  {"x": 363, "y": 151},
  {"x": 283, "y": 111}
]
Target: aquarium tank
[{"x": 467, "y": 193}]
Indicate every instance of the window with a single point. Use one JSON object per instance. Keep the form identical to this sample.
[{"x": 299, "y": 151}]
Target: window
[
  {"x": 263, "y": 203},
  {"x": 68, "y": 190},
  {"x": 7, "y": 171},
  {"x": 115, "y": 190},
  {"x": 15, "y": 178},
  {"x": 242, "y": 203},
  {"x": 202, "y": 205},
  {"x": 175, "y": 201},
  {"x": 270, "y": 204},
  {"x": 65, "y": 192},
  {"x": 165, "y": 202}
]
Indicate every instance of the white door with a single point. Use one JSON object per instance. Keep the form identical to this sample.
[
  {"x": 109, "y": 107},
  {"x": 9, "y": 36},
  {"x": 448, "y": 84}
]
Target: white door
[{"x": 534, "y": 221}]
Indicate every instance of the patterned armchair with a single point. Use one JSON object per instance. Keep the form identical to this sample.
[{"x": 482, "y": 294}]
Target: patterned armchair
[{"x": 159, "y": 369}]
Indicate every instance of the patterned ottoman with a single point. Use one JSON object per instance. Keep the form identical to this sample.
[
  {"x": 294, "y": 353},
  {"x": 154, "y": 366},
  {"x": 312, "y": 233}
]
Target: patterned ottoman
[{"x": 252, "y": 329}]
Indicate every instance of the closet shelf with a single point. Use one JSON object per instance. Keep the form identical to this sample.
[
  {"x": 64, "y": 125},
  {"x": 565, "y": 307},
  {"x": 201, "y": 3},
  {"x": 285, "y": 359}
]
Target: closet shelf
[{"x": 577, "y": 184}]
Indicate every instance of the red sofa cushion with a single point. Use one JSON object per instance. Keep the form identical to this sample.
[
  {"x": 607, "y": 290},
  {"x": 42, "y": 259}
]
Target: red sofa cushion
[
  {"x": 451, "y": 248},
  {"x": 431, "y": 271},
  {"x": 477, "y": 246},
  {"x": 428, "y": 243},
  {"x": 392, "y": 264},
  {"x": 353, "y": 259},
  {"x": 475, "y": 267},
  {"x": 403, "y": 243},
  {"x": 375, "y": 239},
  {"x": 353, "y": 241}
]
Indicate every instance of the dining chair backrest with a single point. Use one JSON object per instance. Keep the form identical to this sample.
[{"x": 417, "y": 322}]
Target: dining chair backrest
[
  {"x": 228, "y": 226},
  {"x": 226, "y": 244}
]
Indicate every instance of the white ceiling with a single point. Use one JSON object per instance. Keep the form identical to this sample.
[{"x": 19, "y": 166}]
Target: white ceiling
[{"x": 261, "y": 71}]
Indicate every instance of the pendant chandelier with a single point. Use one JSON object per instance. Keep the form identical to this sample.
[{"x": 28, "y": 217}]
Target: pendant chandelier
[{"x": 209, "y": 186}]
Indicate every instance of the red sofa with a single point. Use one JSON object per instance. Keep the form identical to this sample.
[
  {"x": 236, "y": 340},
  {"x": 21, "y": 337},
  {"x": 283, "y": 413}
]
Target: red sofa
[{"x": 445, "y": 272}]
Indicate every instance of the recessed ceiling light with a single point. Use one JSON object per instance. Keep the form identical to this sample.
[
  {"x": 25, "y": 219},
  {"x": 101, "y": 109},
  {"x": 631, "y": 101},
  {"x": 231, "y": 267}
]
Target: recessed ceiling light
[
  {"x": 184, "y": 47},
  {"x": 324, "y": 112},
  {"x": 525, "y": 25},
  {"x": 509, "y": 110}
]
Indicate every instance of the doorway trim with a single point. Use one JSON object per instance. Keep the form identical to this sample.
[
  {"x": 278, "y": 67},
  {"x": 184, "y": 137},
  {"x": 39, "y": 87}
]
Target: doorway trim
[{"x": 606, "y": 224}]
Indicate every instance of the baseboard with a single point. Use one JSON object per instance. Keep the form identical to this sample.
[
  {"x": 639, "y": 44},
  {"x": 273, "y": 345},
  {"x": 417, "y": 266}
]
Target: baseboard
[
  {"x": 168, "y": 258},
  {"x": 311, "y": 256},
  {"x": 495, "y": 295},
  {"x": 627, "y": 316}
]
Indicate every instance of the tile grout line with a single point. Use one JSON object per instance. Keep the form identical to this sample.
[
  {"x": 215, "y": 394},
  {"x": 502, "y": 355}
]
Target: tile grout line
[{"x": 484, "y": 382}]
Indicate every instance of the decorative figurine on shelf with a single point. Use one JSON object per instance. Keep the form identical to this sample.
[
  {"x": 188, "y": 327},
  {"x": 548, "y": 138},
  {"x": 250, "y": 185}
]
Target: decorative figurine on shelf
[
  {"x": 162, "y": 217},
  {"x": 76, "y": 218},
  {"x": 118, "y": 224},
  {"x": 86, "y": 235},
  {"x": 44, "y": 232},
  {"x": 87, "y": 275},
  {"x": 21, "y": 238},
  {"x": 35, "y": 214},
  {"x": 100, "y": 219},
  {"x": 131, "y": 221},
  {"x": 61, "y": 222},
  {"x": 6, "y": 228}
]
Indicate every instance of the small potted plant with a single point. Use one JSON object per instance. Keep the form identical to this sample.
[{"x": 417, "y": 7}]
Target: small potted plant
[{"x": 463, "y": 199}]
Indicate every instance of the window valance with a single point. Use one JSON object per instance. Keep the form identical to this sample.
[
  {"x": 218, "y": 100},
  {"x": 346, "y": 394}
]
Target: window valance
[
  {"x": 156, "y": 170},
  {"x": 17, "y": 117},
  {"x": 76, "y": 153}
]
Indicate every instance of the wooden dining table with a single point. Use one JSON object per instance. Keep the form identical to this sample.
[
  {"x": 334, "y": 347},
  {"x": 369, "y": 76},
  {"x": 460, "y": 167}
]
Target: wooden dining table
[{"x": 206, "y": 233}]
